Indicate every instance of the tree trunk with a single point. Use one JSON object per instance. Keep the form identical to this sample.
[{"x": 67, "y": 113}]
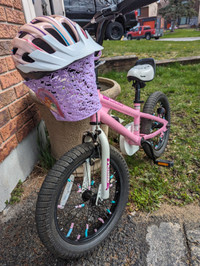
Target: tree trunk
[{"x": 172, "y": 25}]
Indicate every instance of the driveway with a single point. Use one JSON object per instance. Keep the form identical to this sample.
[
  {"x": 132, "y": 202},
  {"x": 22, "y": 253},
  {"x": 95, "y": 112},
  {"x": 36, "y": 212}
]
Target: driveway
[
  {"x": 186, "y": 39},
  {"x": 169, "y": 236}
]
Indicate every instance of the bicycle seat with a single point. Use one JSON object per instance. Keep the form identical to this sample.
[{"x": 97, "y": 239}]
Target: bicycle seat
[{"x": 144, "y": 70}]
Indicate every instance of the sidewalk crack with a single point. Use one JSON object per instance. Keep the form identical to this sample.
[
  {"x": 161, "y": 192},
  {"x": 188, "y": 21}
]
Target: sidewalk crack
[{"x": 189, "y": 253}]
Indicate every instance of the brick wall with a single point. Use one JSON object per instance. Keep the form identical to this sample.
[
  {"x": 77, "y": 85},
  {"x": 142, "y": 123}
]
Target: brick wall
[{"x": 18, "y": 115}]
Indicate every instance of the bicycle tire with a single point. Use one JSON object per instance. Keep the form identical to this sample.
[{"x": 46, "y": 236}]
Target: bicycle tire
[
  {"x": 47, "y": 211},
  {"x": 147, "y": 125}
]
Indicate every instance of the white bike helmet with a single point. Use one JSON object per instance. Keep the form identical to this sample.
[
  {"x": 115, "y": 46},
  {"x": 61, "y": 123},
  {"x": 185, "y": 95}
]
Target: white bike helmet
[{"x": 49, "y": 43}]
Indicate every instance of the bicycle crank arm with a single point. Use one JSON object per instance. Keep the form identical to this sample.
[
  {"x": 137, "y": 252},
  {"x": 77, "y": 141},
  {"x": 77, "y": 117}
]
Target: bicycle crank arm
[{"x": 165, "y": 163}]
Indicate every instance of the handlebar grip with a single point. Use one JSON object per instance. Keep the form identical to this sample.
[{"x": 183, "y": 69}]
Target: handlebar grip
[{"x": 127, "y": 6}]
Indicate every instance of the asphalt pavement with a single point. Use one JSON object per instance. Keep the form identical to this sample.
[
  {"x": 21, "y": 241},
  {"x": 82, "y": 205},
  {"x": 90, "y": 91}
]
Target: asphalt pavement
[{"x": 167, "y": 237}]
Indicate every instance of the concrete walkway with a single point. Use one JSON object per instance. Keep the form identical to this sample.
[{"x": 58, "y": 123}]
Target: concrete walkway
[{"x": 186, "y": 39}]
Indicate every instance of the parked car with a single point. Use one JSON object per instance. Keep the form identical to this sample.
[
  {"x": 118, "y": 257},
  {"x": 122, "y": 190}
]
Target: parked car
[
  {"x": 82, "y": 12},
  {"x": 144, "y": 32}
]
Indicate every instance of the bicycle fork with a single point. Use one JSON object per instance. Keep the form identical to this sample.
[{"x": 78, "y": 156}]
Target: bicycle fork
[{"x": 103, "y": 191}]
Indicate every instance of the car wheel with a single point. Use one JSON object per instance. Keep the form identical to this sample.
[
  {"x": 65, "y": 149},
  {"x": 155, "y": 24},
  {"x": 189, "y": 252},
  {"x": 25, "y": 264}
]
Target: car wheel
[
  {"x": 156, "y": 38},
  {"x": 114, "y": 31},
  {"x": 148, "y": 36},
  {"x": 129, "y": 37}
]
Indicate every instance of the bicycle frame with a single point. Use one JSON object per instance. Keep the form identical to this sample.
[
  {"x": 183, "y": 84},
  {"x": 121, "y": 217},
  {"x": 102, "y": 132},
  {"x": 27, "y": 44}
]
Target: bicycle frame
[{"x": 133, "y": 137}]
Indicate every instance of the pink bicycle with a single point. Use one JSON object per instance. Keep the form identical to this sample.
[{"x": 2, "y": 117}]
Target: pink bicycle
[{"x": 86, "y": 191}]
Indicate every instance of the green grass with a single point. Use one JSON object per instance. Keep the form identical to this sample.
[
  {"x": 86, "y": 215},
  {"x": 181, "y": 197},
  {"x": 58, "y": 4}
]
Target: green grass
[
  {"x": 181, "y": 33},
  {"x": 156, "y": 49},
  {"x": 46, "y": 159},
  {"x": 16, "y": 194},
  {"x": 151, "y": 185}
]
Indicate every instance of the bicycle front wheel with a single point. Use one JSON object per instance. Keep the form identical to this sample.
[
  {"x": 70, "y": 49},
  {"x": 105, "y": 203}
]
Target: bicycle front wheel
[{"x": 71, "y": 221}]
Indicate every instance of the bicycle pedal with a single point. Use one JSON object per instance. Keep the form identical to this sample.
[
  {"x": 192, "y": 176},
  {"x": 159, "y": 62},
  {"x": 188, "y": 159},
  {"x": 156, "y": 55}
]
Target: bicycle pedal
[{"x": 164, "y": 163}]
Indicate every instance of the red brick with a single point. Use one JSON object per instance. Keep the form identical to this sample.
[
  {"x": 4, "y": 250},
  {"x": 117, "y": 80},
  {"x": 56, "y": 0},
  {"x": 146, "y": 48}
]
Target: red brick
[
  {"x": 4, "y": 117},
  {"x": 10, "y": 63},
  {"x": 25, "y": 130},
  {"x": 34, "y": 108},
  {"x": 2, "y": 14},
  {"x": 6, "y": 2},
  {"x": 6, "y": 97},
  {"x": 17, "y": 4},
  {"x": 8, "y": 31},
  {"x": 15, "y": 16},
  {"x": 5, "y": 47},
  {"x": 37, "y": 118},
  {"x": 18, "y": 106},
  {"x": 36, "y": 114},
  {"x": 21, "y": 90},
  {"x": 15, "y": 124},
  {"x": 9, "y": 129},
  {"x": 3, "y": 65},
  {"x": 7, "y": 147},
  {"x": 25, "y": 116},
  {"x": 10, "y": 79},
  {"x": 29, "y": 99}
]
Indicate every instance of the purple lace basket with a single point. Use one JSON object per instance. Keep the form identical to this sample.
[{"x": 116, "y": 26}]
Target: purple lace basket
[{"x": 70, "y": 93}]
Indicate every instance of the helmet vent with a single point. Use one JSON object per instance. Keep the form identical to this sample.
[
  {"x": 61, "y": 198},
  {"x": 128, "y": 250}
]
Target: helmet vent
[
  {"x": 43, "y": 45},
  {"x": 14, "y": 50},
  {"x": 23, "y": 34},
  {"x": 27, "y": 58},
  {"x": 70, "y": 31},
  {"x": 56, "y": 35}
]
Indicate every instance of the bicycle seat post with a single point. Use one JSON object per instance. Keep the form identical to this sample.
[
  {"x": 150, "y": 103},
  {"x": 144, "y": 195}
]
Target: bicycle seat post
[{"x": 138, "y": 85}]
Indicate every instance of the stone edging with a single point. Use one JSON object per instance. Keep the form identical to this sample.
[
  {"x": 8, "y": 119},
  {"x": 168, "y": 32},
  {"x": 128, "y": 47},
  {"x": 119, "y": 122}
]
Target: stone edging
[
  {"x": 124, "y": 63},
  {"x": 182, "y": 60}
]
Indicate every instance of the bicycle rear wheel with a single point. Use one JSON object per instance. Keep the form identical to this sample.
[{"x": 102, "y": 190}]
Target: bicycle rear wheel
[
  {"x": 69, "y": 222},
  {"x": 157, "y": 104}
]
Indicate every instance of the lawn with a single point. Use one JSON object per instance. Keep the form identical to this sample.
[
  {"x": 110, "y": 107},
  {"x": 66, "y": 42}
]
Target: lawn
[
  {"x": 156, "y": 49},
  {"x": 151, "y": 185},
  {"x": 182, "y": 33}
]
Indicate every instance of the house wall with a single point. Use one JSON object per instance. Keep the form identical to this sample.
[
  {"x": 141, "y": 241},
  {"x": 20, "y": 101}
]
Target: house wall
[
  {"x": 144, "y": 12},
  {"x": 30, "y": 10},
  {"x": 18, "y": 114},
  {"x": 149, "y": 11},
  {"x": 153, "y": 10}
]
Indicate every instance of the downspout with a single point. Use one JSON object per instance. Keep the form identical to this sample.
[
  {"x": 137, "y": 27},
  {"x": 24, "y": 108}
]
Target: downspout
[{"x": 52, "y": 7}]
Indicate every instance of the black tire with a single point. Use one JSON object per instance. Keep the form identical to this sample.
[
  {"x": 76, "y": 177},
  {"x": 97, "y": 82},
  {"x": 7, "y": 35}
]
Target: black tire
[
  {"x": 129, "y": 37},
  {"x": 114, "y": 31},
  {"x": 53, "y": 222},
  {"x": 157, "y": 38},
  {"x": 148, "y": 36},
  {"x": 156, "y": 100}
]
